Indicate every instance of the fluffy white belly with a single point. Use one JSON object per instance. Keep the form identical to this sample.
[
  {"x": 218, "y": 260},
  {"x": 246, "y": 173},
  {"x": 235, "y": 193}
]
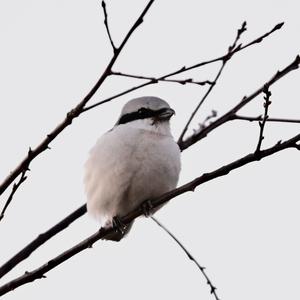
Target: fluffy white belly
[{"x": 126, "y": 167}]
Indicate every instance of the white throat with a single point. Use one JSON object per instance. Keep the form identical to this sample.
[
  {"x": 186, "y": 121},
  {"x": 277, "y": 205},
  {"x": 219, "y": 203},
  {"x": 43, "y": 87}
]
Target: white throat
[{"x": 162, "y": 128}]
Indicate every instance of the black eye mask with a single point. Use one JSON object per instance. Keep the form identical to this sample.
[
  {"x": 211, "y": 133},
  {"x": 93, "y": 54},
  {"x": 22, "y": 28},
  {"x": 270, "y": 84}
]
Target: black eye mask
[{"x": 142, "y": 113}]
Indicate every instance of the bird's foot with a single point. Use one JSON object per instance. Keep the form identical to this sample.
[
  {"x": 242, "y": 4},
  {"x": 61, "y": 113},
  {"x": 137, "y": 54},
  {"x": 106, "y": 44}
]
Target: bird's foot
[
  {"x": 118, "y": 225},
  {"x": 147, "y": 208}
]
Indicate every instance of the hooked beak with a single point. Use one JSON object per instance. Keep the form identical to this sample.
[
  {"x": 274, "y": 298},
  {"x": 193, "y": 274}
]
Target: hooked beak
[{"x": 166, "y": 114}]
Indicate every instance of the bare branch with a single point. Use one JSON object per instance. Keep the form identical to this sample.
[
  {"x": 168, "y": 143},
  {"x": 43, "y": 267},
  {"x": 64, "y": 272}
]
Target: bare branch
[
  {"x": 184, "y": 69},
  {"x": 262, "y": 124},
  {"x": 189, "y": 255},
  {"x": 107, "y": 27},
  {"x": 224, "y": 62},
  {"x": 260, "y": 118},
  {"x": 208, "y": 119},
  {"x": 190, "y": 186},
  {"x": 261, "y": 38},
  {"x": 75, "y": 112},
  {"x": 238, "y": 36},
  {"x": 198, "y": 135},
  {"x": 201, "y": 102},
  {"x": 231, "y": 51},
  {"x": 180, "y": 81},
  {"x": 14, "y": 189},
  {"x": 40, "y": 240}
]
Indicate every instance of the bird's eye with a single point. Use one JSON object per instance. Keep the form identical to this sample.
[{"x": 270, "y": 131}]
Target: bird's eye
[{"x": 142, "y": 110}]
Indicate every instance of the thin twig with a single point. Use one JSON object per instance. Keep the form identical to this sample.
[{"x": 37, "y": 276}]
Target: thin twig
[
  {"x": 201, "y": 102},
  {"x": 238, "y": 36},
  {"x": 180, "y": 81},
  {"x": 203, "y": 132},
  {"x": 191, "y": 186},
  {"x": 208, "y": 119},
  {"x": 262, "y": 124},
  {"x": 260, "y": 118},
  {"x": 75, "y": 112},
  {"x": 185, "y": 69},
  {"x": 224, "y": 62},
  {"x": 189, "y": 255},
  {"x": 107, "y": 27},
  {"x": 261, "y": 38},
  {"x": 14, "y": 189}
]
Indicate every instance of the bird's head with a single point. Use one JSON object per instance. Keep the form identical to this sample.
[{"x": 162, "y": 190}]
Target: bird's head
[{"x": 152, "y": 110}]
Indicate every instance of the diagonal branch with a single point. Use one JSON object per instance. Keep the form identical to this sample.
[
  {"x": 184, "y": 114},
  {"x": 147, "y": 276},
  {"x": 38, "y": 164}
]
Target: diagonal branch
[
  {"x": 185, "y": 69},
  {"x": 75, "y": 112},
  {"x": 190, "y": 186},
  {"x": 14, "y": 189},
  {"x": 230, "y": 115},
  {"x": 202, "y": 101},
  {"x": 189, "y": 255},
  {"x": 224, "y": 62},
  {"x": 262, "y": 37},
  {"x": 40, "y": 240},
  {"x": 107, "y": 27}
]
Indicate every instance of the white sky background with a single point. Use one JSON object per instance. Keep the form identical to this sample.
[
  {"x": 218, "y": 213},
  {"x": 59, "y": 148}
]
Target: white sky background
[{"x": 243, "y": 227}]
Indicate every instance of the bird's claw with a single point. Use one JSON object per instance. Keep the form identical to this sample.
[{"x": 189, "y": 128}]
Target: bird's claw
[
  {"x": 118, "y": 225},
  {"x": 147, "y": 208}
]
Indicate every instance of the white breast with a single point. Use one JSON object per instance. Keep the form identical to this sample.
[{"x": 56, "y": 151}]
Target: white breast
[{"x": 128, "y": 165}]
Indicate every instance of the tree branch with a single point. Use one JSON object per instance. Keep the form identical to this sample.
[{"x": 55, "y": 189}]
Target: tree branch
[
  {"x": 185, "y": 69},
  {"x": 189, "y": 255},
  {"x": 224, "y": 62},
  {"x": 14, "y": 189},
  {"x": 190, "y": 186},
  {"x": 230, "y": 115},
  {"x": 262, "y": 124},
  {"x": 75, "y": 112},
  {"x": 180, "y": 81},
  {"x": 261, "y": 38},
  {"x": 41, "y": 239},
  {"x": 107, "y": 27},
  {"x": 260, "y": 118}
]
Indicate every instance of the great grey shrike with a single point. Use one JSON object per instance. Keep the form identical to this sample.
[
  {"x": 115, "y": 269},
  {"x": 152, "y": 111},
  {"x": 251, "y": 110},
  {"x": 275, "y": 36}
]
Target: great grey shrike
[{"x": 137, "y": 160}]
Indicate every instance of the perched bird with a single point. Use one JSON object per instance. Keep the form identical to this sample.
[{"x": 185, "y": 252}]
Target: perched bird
[{"x": 137, "y": 160}]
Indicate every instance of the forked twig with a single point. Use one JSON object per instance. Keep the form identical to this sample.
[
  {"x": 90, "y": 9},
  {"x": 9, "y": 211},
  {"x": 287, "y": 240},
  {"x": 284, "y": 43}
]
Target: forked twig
[
  {"x": 23, "y": 177},
  {"x": 224, "y": 62},
  {"x": 107, "y": 27},
  {"x": 230, "y": 115},
  {"x": 185, "y": 69}
]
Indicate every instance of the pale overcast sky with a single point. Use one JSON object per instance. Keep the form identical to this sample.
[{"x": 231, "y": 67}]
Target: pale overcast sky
[{"x": 243, "y": 228}]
